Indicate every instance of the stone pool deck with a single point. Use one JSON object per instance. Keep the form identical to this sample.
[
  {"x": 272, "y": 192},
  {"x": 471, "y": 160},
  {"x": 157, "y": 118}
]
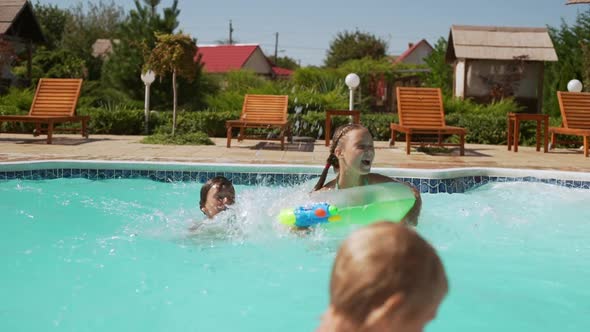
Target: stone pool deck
[{"x": 20, "y": 147}]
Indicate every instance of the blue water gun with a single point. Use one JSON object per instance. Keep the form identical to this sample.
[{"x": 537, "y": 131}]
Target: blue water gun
[{"x": 309, "y": 215}]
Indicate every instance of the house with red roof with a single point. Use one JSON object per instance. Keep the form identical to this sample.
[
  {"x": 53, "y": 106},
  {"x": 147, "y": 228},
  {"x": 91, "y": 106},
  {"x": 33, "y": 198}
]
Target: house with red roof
[
  {"x": 415, "y": 53},
  {"x": 219, "y": 59}
]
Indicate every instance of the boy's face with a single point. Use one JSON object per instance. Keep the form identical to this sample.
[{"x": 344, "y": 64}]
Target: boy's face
[{"x": 218, "y": 198}]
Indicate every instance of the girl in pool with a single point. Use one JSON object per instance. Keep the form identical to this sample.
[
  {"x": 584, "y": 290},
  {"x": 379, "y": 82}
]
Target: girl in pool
[
  {"x": 385, "y": 278},
  {"x": 351, "y": 154}
]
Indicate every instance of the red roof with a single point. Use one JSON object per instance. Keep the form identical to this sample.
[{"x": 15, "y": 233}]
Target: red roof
[
  {"x": 282, "y": 71},
  {"x": 224, "y": 58},
  {"x": 410, "y": 50}
]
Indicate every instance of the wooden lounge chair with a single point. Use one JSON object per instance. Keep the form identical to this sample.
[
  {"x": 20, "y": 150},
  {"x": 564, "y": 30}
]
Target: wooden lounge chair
[
  {"x": 54, "y": 102},
  {"x": 575, "y": 117},
  {"x": 421, "y": 112},
  {"x": 261, "y": 111}
]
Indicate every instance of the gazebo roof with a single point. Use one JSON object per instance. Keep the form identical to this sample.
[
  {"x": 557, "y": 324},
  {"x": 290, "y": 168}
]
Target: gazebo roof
[
  {"x": 573, "y": 2},
  {"x": 499, "y": 43},
  {"x": 18, "y": 20}
]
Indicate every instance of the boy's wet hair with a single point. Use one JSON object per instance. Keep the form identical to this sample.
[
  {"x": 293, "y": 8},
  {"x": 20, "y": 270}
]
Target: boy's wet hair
[
  {"x": 332, "y": 159},
  {"x": 381, "y": 260},
  {"x": 221, "y": 181}
]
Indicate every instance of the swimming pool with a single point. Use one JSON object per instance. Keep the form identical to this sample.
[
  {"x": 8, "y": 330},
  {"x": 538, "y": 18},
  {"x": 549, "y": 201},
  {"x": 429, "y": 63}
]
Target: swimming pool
[{"x": 89, "y": 246}]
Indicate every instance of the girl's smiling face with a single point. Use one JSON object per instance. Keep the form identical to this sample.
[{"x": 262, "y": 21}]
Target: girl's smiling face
[{"x": 356, "y": 152}]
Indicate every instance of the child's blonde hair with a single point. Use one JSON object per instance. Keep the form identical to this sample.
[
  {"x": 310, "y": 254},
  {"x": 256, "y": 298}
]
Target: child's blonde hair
[{"x": 381, "y": 260}]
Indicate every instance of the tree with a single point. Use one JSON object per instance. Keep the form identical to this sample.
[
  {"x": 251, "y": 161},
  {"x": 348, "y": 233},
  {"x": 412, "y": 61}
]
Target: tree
[
  {"x": 123, "y": 68},
  {"x": 354, "y": 45},
  {"x": 174, "y": 54},
  {"x": 87, "y": 24},
  {"x": 7, "y": 53},
  {"x": 53, "y": 21},
  {"x": 286, "y": 62},
  {"x": 573, "y": 61},
  {"x": 441, "y": 73}
]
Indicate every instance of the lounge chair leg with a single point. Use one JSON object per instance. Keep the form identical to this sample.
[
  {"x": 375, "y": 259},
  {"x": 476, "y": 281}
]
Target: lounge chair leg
[
  {"x": 585, "y": 146},
  {"x": 283, "y": 142},
  {"x": 229, "y": 136},
  {"x": 37, "y": 130},
  {"x": 408, "y": 142},
  {"x": 241, "y": 134},
  {"x": 49, "y": 132},
  {"x": 553, "y": 141},
  {"x": 510, "y": 133},
  {"x": 84, "y": 129},
  {"x": 393, "y": 134},
  {"x": 538, "y": 137},
  {"x": 462, "y": 147}
]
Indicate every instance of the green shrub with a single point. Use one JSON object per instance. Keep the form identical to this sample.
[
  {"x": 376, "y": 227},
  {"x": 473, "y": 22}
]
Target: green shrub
[
  {"x": 486, "y": 123},
  {"x": 312, "y": 124},
  {"x": 195, "y": 138},
  {"x": 16, "y": 102},
  {"x": 117, "y": 121},
  {"x": 210, "y": 122}
]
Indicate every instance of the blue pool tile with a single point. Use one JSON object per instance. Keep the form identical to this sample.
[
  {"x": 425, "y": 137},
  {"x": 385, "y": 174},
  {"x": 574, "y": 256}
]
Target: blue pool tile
[
  {"x": 160, "y": 175},
  {"x": 423, "y": 186},
  {"x": 101, "y": 174},
  {"x": 186, "y": 176},
  {"x": 194, "y": 176},
  {"x": 50, "y": 174},
  {"x": 176, "y": 176},
  {"x": 109, "y": 173},
  {"x": 202, "y": 177}
]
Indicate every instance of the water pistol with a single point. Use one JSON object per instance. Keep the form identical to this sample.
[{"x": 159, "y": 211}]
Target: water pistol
[{"x": 309, "y": 215}]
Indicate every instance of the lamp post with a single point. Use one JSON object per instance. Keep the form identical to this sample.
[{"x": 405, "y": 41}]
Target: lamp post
[
  {"x": 352, "y": 80},
  {"x": 148, "y": 78},
  {"x": 574, "y": 86}
]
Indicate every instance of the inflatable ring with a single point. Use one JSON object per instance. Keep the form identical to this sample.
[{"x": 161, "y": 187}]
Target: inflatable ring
[{"x": 389, "y": 201}]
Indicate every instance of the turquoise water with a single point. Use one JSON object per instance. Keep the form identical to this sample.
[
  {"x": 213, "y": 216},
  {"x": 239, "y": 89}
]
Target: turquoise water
[{"x": 116, "y": 255}]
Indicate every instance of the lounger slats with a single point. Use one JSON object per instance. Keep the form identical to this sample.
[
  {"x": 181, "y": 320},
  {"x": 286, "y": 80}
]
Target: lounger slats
[
  {"x": 54, "y": 102},
  {"x": 575, "y": 116},
  {"x": 420, "y": 111},
  {"x": 261, "y": 111}
]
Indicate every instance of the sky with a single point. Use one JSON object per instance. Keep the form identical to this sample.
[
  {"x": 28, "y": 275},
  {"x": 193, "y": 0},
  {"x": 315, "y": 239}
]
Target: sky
[{"x": 307, "y": 27}]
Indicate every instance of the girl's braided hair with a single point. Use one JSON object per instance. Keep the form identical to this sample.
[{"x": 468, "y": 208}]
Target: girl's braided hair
[{"x": 332, "y": 159}]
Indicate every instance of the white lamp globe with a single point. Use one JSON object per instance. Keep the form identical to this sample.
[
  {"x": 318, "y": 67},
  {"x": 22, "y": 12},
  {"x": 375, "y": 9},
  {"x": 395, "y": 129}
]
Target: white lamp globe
[
  {"x": 574, "y": 86},
  {"x": 352, "y": 80},
  {"x": 148, "y": 77}
]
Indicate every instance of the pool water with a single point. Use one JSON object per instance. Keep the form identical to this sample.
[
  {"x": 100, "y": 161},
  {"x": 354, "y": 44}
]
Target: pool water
[{"x": 117, "y": 255}]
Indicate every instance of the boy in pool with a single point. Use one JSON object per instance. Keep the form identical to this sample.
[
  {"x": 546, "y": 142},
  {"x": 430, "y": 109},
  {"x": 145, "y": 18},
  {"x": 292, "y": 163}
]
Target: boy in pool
[
  {"x": 385, "y": 277},
  {"x": 351, "y": 154},
  {"x": 216, "y": 195}
]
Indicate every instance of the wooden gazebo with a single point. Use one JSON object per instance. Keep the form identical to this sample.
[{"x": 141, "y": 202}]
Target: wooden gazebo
[
  {"x": 19, "y": 27},
  {"x": 491, "y": 62}
]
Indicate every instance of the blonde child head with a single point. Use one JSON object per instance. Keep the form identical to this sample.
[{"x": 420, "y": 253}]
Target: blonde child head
[{"x": 385, "y": 277}]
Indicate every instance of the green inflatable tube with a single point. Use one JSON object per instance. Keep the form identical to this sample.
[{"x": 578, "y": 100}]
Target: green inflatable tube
[{"x": 389, "y": 201}]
